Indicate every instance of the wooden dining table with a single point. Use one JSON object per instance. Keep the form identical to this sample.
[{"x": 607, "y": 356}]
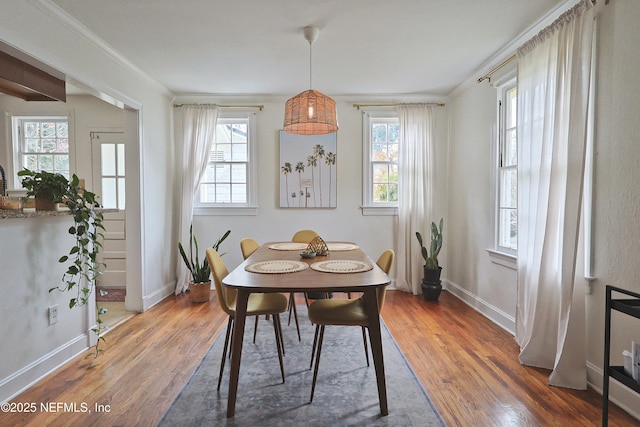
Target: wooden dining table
[{"x": 307, "y": 280}]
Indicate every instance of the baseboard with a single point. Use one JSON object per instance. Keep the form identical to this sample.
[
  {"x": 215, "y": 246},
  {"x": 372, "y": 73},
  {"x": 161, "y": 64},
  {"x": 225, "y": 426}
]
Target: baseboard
[
  {"x": 619, "y": 394},
  {"x": 497, "y": 316},
  {"x": 154, "y": 298},
  {"x": 21, "y": 380}
]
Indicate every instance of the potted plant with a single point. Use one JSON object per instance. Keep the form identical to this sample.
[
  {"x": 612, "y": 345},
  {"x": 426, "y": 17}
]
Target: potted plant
[
  {"x": 83, "y": 267},
  {"x": 200, "y": 283},
  {"x": 47, "y": 188},
  {"x": 431, "y": 284}
]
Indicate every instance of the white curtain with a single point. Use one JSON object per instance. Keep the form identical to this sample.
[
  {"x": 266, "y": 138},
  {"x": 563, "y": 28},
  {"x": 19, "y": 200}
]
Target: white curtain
[
  {"x": 199, "y": 126},
  {"x": 554, "y": 72},
  {"x": 415, "y": 191}
]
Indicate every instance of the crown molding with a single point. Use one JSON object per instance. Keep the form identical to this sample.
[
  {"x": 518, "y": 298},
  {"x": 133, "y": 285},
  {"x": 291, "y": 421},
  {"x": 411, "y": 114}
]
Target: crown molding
[
  {"x": 80, "y": 30},
  {"x": 509, "y": 49}
]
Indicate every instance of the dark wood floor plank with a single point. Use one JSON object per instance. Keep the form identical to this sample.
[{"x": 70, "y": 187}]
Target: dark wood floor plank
[{"x": 468, "y": 366}]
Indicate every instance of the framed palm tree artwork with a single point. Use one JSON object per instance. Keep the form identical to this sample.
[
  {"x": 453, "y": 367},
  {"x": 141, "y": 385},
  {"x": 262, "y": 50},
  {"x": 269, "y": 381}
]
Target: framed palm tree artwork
[{"x": 308, "y": 170}]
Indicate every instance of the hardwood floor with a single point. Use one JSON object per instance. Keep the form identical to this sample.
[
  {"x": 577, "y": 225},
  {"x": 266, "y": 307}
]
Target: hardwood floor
[{"x": 467, "y": 365}]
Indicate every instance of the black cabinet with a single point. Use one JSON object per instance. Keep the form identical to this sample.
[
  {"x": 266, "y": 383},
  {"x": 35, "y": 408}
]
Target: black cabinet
[{"x": 630, "y": 304}]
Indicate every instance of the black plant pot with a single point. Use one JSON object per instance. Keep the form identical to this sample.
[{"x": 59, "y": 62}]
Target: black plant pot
[
  {"x": 431, "y": 290},
  {"x": 431, "y": 276}
]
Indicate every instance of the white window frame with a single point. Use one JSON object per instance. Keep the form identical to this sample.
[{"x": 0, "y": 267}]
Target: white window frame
[
  {"x": 249, "y": 208},
  {"x": 499, "y": 254},
  {"x": 369, "y": 207},
  {"x": 16, "y": 141}
]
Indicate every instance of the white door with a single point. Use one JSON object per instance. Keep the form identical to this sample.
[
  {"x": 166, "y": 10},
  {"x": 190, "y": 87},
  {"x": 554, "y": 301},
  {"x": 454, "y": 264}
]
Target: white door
[{"x": 109, "y": 184}]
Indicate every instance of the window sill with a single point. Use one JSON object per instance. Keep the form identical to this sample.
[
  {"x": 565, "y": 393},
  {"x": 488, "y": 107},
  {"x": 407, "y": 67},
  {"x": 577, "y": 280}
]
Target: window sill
[
  {"x": 379, "y": 211},
  {"x": 225, "y": 211},
  {"x": 504, "y": 259}
]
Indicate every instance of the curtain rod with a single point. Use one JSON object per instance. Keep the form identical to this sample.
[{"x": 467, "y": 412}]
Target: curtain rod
[
  {"x": 496, "y": 68},
  {"x": 358, "y": 106},
  {"x": 260, "y": 107},
  {"x": 511, "y": 58}
]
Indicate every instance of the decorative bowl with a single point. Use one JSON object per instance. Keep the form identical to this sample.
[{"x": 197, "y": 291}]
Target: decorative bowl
[{"x": 306, "y": 254}]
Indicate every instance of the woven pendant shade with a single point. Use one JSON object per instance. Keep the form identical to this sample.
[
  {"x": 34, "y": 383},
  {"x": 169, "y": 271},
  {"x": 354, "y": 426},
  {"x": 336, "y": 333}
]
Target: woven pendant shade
[{"x": 310, "y": 113}]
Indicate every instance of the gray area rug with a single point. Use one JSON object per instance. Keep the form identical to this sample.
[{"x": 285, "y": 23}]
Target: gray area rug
[{"x": 346, "y": 392}]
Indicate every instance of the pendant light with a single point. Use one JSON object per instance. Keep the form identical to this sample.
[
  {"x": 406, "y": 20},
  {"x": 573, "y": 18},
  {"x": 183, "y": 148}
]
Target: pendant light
[{"x": 310, "y": 112}]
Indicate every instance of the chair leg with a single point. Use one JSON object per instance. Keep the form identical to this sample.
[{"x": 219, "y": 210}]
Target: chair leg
[
  {"x": 224, "y": 351},
  {"x": 315, "y": 370},
  {"x": 255, "y": 329},
  {"x": 280, "y": 334},
  {"x": 364, "y": 339},
  {"x": 315, "y": 343},
  {"x": 279, "y": 344}
]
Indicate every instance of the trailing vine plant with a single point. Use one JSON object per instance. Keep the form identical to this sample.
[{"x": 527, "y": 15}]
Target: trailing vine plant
[{"x": 83, "y": 266}]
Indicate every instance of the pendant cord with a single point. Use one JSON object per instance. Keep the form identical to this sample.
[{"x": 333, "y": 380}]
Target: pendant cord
[{"x": 310, "y": 64}]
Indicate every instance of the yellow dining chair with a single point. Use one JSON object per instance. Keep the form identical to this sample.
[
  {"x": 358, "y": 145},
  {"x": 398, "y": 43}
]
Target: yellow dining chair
[
  {"x": 249, "y": 246},
  {"x": 344, "y": 312},
  {"x": 300, "y": 236},
  {"x": 304, "y": 236},
  {"x": 258, "y": 304}
]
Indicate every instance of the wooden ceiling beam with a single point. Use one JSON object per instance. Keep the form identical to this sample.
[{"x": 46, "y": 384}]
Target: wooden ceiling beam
[{"x": 28, "y": 82}]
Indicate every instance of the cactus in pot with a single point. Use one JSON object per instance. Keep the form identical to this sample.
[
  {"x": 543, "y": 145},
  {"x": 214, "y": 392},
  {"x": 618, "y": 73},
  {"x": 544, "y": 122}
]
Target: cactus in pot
[
  {"x": 431, "y": 285},
  {"x": 431, "y": 257}
]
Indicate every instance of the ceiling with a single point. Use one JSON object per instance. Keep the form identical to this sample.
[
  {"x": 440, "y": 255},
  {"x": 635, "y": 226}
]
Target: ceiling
[{"x": 257, "y": 47}]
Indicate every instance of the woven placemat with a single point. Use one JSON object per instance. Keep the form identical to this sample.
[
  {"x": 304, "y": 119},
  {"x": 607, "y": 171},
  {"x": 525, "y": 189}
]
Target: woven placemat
[
  {"x": 341, "y": 266},
  {"x": 277, "y": 267},
  {"x": 288, "y": 246},
  {"x": 337, "y": 246}
]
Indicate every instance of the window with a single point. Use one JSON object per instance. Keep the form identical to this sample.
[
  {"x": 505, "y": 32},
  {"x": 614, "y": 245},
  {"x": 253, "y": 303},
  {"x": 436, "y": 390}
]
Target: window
[
  {"x": 112, "y": 168},
  {"x": 41, "y": 144},
  {"x": 381, "y": 138},
  {"x": 507, "y": 209},
  {"x": 228, "y": 181}
]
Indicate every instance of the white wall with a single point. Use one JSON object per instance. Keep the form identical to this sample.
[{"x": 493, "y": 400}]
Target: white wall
[
  {"x": 40, "y": 30},
  {"x": 616, "y": 233},
  {"x": 616, "y": 237},
  {"x": 48, "y": 34},
  {"x": 345, "y": 223},
  {"x": 29, "y": 268},
  {"x": 471, "y": 275},
  {"x": 272, "y": 223}
]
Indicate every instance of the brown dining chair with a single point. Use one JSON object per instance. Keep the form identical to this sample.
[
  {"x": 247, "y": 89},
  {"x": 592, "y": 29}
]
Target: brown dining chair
[
  {"x": 344, "y": 312},
  {"x": 258, "y": 304}
]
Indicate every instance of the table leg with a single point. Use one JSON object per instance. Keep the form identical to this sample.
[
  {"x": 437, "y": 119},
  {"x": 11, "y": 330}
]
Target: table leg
[
  {"x": 236, "y": 349},
  {"x": 371, "y": 301}
]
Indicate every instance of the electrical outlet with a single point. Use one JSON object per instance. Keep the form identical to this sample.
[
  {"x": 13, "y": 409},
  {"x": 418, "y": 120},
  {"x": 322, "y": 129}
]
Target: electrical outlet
[{"x": 53, "y": 314}]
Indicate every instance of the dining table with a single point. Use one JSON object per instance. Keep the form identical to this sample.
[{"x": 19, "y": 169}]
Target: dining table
[{"x": 279, "y": 267}]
